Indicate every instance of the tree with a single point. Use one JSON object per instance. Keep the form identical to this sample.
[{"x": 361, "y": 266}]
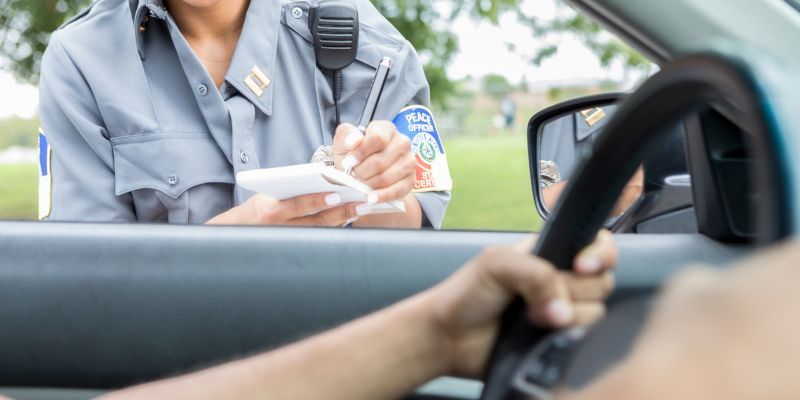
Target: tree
[
  {"x": 18, "y": 132},
  {"x": 426, "y": 23},
  {"x": 25, "y": 28},
  {"x": 497, "y": 86},
  {"x": 608, "y": 48}
]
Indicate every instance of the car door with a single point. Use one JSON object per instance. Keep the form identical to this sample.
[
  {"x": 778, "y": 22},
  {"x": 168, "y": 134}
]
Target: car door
[{"x": 101, "y": 307}]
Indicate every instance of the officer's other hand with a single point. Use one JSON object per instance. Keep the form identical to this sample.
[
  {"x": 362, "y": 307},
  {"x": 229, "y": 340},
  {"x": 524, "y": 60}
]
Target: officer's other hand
[
  {"x": 381, "y": 159},
  {"x": 467, "y": 306},
  {"x": 324, "y": 209}
]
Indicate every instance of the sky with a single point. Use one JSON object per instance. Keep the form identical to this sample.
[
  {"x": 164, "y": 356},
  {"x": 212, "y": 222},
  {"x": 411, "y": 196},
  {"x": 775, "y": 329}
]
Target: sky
[
  {"x": 479, "y": 42},
  {"x": 17, "y": 99},
  {"x": 482, "y": 41}
]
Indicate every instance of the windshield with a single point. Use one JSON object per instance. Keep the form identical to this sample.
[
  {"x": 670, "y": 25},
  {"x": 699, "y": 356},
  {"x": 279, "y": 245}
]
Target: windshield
[{"x": 794, "y": 3}]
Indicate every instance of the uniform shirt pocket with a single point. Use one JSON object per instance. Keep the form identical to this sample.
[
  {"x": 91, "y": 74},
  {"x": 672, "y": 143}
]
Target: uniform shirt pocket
[{"x": 170, "y": 163}]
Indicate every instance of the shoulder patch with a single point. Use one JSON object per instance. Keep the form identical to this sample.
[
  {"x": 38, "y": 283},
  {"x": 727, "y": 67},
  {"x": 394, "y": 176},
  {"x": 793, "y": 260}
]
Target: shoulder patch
[
  {"x": 45, "y": 177},
  {"x": 433, "y": 174}
]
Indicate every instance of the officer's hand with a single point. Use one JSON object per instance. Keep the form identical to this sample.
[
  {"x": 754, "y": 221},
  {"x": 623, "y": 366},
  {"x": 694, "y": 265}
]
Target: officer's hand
[
  {"x": 467, "y": 306},
  {"x": 381, "y": 159},
  {"x": 324, "y": 209}
]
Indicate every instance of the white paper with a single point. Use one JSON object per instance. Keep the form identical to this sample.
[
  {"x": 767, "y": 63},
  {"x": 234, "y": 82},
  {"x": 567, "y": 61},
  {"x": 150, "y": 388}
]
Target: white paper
[{"x": 297, "y": 180}]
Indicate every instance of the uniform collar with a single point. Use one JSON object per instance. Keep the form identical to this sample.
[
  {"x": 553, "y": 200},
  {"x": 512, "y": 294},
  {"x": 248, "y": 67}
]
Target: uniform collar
[
  {"x": 254, "y": 58},
  {"x": 142, "y": 13}
]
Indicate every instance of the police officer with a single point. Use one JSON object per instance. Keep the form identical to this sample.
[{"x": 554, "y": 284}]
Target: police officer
[{"x": 149, "y": 108}]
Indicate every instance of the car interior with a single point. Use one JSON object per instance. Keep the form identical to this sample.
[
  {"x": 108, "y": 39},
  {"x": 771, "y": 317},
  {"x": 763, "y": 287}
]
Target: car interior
[{"x": 88, "y": 308}]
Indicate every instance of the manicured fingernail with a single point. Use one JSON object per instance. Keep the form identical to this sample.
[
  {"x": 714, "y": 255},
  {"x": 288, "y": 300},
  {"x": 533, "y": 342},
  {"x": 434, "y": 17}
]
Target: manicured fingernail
[
  {"x": 349, "y": 162},
  {"x": 363, "y": 209},
  {"x": 559, "y": 312},
  {"x": 353, "y": 138},
  {"x": 333, "y": 199},
  {"x": 372, "y": 199},
  {"x": 589, "y": 264},
  {"x": 351, "y": 221}
]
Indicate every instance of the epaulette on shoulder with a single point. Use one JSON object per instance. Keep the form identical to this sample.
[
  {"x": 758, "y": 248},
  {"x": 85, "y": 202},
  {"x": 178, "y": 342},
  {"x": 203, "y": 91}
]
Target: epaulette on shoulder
[{"x": 79, "y": 15}]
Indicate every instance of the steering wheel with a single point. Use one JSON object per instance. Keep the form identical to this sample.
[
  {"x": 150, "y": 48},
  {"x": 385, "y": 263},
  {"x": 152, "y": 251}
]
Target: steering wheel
[{"x": 519, "y": 365}]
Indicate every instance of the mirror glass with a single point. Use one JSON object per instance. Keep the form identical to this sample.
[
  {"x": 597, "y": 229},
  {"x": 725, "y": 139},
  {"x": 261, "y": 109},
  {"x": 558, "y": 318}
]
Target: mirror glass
[{"x": 563, "y": 143}]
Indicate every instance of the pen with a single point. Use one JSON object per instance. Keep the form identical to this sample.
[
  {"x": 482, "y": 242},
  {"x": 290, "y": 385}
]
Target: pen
[
  {"x": 375, "y": 94},
  {"x": 374, "y": 97}
]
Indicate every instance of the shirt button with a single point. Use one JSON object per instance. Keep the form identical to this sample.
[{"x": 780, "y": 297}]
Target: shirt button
[
  {"x": 172, "y": 179},
  {"x": 244, "y": 157},
  {"x": 297, "y": 12},
  {"x": 202, "y": 89}
]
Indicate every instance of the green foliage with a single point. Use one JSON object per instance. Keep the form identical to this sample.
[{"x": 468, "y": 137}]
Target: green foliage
[
  {"x": 25, "y": 27},
  {"x": 426, "y": 23},
  {"x": 18, "y": 191},
  {"x": 491, "y": 185},
  {"x": 18, "y": 132},
  {"x": 555, "y": 93},
  {"x": 496, "y": 85},
  {"x": 607, "y": 47}
]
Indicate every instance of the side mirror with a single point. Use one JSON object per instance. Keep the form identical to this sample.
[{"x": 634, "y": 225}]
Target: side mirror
[{"x": 560, "y": 138}]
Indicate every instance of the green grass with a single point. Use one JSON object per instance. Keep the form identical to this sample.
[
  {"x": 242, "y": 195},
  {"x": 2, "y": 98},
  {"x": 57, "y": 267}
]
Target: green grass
[
  {"x": 18, "y": 191},
  {"x": 491, "y": 184},
  {"x": 490, "y": 176}
]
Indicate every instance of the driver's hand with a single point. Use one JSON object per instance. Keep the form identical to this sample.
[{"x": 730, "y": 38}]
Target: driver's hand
[{"x": 467, "y": 306}]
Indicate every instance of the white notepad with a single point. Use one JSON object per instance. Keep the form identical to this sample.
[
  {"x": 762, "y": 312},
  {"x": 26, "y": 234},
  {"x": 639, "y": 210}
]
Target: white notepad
[{"x": 297, "y": 180}]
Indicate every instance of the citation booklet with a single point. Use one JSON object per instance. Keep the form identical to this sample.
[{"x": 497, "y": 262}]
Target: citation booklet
[{"x": 297, "y": 180}]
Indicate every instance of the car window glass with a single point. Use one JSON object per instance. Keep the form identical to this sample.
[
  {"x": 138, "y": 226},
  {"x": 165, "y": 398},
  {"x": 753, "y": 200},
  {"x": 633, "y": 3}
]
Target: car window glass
[{"x": 491, "y": 65}]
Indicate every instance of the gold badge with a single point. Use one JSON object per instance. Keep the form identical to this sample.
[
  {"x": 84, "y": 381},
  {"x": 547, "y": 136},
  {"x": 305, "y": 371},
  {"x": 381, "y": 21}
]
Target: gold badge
[
  {"x": 593, "y": 115},
  {"x": 257, "y": 81}
]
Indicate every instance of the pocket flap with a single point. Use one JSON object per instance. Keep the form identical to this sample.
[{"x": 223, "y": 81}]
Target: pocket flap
[{"x": 168, "y": 162}]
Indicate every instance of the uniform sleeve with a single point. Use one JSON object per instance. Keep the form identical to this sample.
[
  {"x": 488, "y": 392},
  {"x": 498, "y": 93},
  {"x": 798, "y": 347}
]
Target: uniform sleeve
[
  {"x": 81, "y": 163},
  {"x": 410, "y": 87}
]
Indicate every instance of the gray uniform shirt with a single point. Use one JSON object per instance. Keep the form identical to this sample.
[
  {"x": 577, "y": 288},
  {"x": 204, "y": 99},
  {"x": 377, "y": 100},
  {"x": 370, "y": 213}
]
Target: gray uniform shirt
[{"x": 138, "y": 132}]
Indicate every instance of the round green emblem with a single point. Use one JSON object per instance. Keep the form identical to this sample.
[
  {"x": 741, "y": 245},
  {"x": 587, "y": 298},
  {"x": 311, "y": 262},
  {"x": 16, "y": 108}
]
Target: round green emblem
[{"x": 427, "y": 152}]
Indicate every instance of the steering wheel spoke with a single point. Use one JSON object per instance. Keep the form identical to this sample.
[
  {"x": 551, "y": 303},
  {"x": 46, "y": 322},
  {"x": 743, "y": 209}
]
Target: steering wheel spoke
[{"x": 544, "y": 367}]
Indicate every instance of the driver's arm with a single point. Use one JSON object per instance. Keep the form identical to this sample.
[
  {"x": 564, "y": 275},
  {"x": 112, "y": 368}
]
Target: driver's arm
[{"x": 448, "y": 329}]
